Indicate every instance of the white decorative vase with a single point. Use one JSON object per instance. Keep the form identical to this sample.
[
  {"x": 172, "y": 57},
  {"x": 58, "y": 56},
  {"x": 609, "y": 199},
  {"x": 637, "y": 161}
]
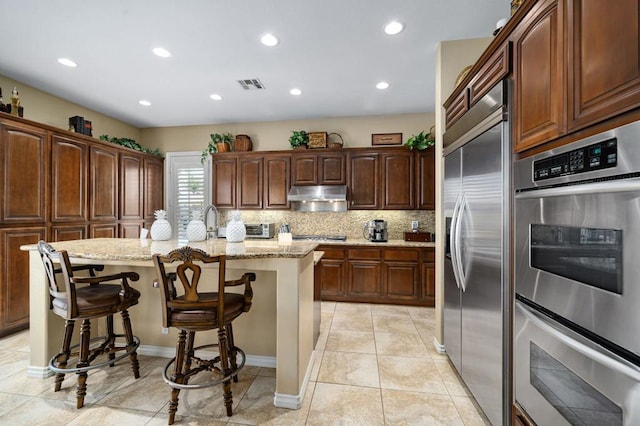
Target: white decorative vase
[
  {"x": 236, "y": 231},
  {"x": 161, "y": 228},
  {"x": 196, "y": 231}
]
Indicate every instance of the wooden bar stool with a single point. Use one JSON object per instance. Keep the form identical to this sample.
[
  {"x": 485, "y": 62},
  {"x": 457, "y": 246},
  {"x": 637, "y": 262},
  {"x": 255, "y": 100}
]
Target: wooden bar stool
[
  {"x": 190, "y": 311},
  {"x": 86, "y": 298}
]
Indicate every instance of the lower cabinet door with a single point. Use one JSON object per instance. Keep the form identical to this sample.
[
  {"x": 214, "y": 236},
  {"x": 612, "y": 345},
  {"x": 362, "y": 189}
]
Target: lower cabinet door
[
  {"x": 401, "y": 280},
  {"x": 14, "y": 277},
  {"x": 103, "y": 230},
  {"x": 364, "y": 279},
  {"x": 68, "y": 232}
]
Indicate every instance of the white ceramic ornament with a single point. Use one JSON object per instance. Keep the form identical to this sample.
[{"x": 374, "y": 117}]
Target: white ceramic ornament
[
  {"x": 196, "y": 231},
  {"x": 236, "y": 231},
  {"x": 161, "y": 228}
]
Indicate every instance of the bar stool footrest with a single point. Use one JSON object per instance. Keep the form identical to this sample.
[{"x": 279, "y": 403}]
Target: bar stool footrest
[{"x": 128, "y": 350}]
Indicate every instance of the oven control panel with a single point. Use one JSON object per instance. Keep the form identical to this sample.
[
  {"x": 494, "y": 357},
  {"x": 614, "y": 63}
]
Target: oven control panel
[{"x": 597, "y": 156}]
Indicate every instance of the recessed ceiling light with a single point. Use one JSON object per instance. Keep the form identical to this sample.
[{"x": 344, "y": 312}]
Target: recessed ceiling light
[
  {"x": 295, "y": 92},
  {"x": 269, "y": 40},
  {"x": 393, "y": 28},
  {"x": 216, "y": 97},
  {"x": 162, "y": 52},
  {"x": 382, "y": 85},
  {"x": 67, "y": 62},
  {"x": 144, "y": 102}
]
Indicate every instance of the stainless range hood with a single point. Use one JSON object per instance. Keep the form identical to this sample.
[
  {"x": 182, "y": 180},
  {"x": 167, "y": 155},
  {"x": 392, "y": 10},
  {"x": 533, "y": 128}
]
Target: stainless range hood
[{"x": 318, "y": 198}]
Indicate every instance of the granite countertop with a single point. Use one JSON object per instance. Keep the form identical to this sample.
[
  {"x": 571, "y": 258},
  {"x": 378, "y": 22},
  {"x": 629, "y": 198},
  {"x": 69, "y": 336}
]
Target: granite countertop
[
  {"x": 133, "y": 249},
  {"x": 363, "y": 242}
]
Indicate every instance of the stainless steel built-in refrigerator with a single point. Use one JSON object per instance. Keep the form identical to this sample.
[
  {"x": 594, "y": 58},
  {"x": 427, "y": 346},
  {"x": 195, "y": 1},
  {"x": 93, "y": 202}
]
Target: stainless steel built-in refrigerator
[{"x": 476, "y": 207}]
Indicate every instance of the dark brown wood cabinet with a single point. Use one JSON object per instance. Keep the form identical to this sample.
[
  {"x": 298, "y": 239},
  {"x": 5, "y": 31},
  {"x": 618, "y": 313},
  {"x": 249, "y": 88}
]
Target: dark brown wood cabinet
[
  {"x": 68, "y": 232},
  {"x": 604, "y": 59},
  {"x": 14, "y": 276},
  {"x": 131, "y": 187},
  {"x": 104, "y": 230},
  {"x": 69, "y": 160},
  {"x": 249, "y": 182},
  {"x": 393, "y": 275},
  {"x": 539, "y": 77},
  {"x": 323, "y": 168},
  {"x": 364, "y": 179},
  {"x": 153, "y": 187},
  {"x": 398, "y": 180},
  {"x": 425, "y": 179},
  {"x": 25, "y": 173},
  {"x": 277, "y": 181},
  {"x": 103, "y": 184},
  {"x": 224, "y": 170}
]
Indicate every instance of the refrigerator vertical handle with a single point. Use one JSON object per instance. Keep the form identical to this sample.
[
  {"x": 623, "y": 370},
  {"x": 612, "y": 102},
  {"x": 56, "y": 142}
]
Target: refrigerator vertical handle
[
  {"x": 453, "y": 240},
  {"x": 458, "y": 249}
]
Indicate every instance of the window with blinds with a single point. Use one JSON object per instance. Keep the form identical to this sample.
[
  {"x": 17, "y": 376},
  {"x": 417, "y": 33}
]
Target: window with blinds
[{"x": 187, "y": 190}]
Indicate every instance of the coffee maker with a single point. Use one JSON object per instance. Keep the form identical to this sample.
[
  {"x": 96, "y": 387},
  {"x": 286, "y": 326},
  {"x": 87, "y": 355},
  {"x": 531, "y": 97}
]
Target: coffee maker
[{"x": 375, "y": 231}]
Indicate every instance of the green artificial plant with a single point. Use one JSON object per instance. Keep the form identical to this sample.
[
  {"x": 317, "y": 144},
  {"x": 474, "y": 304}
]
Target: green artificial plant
[
  {"x": 298, "y": 138},
  {"x": 421, "y": 141},
  {"x": 130, "y": 143},
  {"x": 217, "y": 144}
]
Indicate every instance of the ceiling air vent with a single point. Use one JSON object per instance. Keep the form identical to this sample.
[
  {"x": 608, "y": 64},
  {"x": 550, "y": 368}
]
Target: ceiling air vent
[{"x": 251, "y": 84}]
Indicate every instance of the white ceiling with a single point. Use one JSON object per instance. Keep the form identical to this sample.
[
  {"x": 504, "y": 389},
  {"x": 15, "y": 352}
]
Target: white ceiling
[{"x": 335, "y": 51}]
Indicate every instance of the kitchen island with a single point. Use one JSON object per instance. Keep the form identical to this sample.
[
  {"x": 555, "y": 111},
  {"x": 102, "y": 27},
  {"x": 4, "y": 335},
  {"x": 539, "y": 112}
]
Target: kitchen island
[{"x": 277, "y": 332}]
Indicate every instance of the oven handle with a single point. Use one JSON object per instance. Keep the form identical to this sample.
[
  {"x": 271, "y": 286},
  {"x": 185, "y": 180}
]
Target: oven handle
[
  {"x": 621, "y": 185},
  {"x": 463, "y": 278},
  {"x": 583, "y": 345},
  {"x": 453, "y": 239}
]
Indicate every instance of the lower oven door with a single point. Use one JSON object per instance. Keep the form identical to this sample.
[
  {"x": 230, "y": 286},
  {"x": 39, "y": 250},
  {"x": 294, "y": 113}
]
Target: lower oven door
[{"x": 563, "y": 378}]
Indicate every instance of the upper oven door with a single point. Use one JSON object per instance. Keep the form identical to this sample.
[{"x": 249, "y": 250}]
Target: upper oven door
[{"x": 577, "y": 254}]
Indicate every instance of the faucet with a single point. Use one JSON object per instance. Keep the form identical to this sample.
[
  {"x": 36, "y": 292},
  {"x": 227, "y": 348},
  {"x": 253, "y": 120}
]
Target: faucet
[{"x": 210, "y": 230}]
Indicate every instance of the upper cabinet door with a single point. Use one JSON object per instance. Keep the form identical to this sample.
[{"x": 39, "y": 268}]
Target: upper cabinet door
[
  {"x": 103, "y": 181},
  {"x": 24, "y": 177},
  {"x": 131, "y": 188},
  {"x": 604, "y": 59},
  {"x": 250, "y": 182},
  {"x": 69, "y": 160},
  {"x": 304, "y": 169},
  {"x": 425, "y": 179},
  {"x": 539, "y": 109},
  {"x": 398, "y": 180},
  {"x": 331, "y": 169},
  {"x": 153, "y": 186},
  {"x": 364, "y": 180},
  {"x": 224, "y": 171},
  {"x": 276, "y": 181}
]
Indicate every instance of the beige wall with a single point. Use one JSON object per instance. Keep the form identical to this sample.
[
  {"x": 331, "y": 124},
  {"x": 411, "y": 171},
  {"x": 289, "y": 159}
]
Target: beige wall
[
  {"x": 451, "y": 58},
  {"x": 54, "y": 111},
  {"x": 274, "y": 135}
]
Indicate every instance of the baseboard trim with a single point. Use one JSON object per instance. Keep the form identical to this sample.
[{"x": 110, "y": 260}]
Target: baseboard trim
[
  {"x": 294, "y": 402},
  {"x": 439, "y": 348},
  {"x": 39, "y": 372}
]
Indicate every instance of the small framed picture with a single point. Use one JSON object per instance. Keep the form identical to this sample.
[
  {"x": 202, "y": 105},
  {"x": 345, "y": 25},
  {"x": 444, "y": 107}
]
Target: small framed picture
[{"x": 386, "y": 139}]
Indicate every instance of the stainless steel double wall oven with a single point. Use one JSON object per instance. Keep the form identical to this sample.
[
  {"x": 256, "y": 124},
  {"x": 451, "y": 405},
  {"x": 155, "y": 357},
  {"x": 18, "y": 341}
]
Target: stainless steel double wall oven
[{"x": 577, "y": 278}]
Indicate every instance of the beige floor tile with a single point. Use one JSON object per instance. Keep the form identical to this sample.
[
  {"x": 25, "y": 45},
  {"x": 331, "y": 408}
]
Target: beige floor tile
[
  {"x": 453, "y": 382},
  {"x": 209, "y": 402},
  {"x": 10, "y": 402},
  {"x": 322, "y": 339},
  {"x": 160, "y": 419},
  {"x": 40, "y": 411},
  {"x": 412, "y": 374},
  {"x": 351, "y": 341},
  {"x": 433, "y": 352},
  {"x": 325, "y": 320},
  {"x": 147, "y": 393},
  {"x": 409, "y": 345},
  {"x": 469, "y": 412},
  {"x": 391, "y": 310},
  {"x": 13, "y": 362},
  {"x": 351, "y": 321},
  {"x": 425, "y": 327},
  {"x": 416, "y": 408},
  {"x": 267, "y": 372},
  {"x": 256, "y": 407},
  {"x": 422, "y": 313},
  {"x": 107, "y": 416},
  {"x": 359, "y": 308},
  {"x": 327, "y": 306},
  {"x": 349, "y": 369},
  {"x": 21, "y": 384},
  {"x": 393, "y": 324},
  {"x": 334, "y": 404},
  {"x": 317, "y": 362},
  {"x": 16, "y": 342}
]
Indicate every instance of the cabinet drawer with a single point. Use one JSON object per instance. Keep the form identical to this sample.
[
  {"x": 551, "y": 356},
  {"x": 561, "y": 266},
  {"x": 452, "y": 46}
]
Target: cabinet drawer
[
  {"x": 429, "y": 255},
  {"x": 331, "y": 253},
  {"x": 401, "y": 254},
  {"x": 364, "y": 253},
  {"x": 495, "y": 69}
]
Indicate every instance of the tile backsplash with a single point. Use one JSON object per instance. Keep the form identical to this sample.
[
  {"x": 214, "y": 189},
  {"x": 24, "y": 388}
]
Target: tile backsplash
[{"x": 347, "y": 223}]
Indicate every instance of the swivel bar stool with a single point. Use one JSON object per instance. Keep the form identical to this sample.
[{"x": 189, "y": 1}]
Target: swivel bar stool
[
  {"x": 86, "y": 298},
  {"x": 190, "y": 311}
]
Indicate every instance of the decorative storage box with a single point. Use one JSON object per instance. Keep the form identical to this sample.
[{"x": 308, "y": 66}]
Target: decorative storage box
[
  {"x": 418, "y": 236},
  {"x": 317, "y": 140}
]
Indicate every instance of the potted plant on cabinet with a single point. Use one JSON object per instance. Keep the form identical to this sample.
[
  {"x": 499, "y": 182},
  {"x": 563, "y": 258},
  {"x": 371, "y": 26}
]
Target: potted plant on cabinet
[
  {"x": 421, "y": 141},
  {"x": 220, "y": 142},
  {"x": 298, "y": 139}
]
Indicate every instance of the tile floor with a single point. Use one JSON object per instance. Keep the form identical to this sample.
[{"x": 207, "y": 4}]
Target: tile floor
[{"x": 375, "y": 365}]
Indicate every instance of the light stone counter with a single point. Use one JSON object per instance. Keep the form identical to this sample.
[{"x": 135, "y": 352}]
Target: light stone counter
[
  {"x": 363, "y": 242},
  {"x": 277, "y": 332}
]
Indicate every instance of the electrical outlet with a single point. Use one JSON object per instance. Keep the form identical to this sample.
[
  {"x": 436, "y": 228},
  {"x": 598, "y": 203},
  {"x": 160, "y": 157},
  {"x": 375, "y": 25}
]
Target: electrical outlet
[
  {"x": 415, "y": 224},
  {"x": 165, "y": 330}
]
